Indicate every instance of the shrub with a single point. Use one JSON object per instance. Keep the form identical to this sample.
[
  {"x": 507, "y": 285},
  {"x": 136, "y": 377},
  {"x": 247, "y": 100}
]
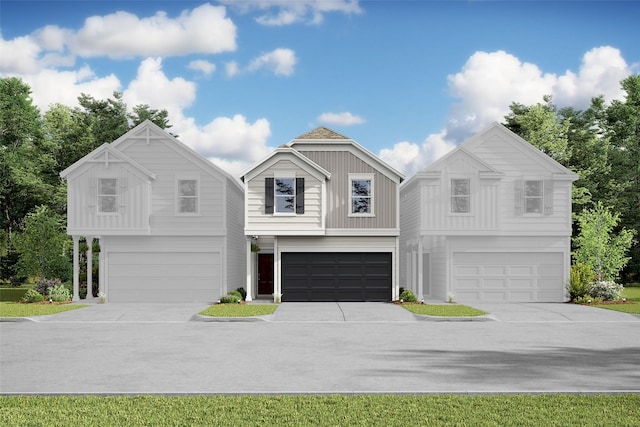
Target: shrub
[
  {"x": 587, "y": 299},
  {"x": 579, "y": 281},
  {"x": 32, "y": 296},
  {"x": 43, "y": 286},
  {"x": 608, "y": 291},
  {"x": 235, "y": 294},
  {"x": 59, "y": 293},
  {"x": 229, "y": 299},
  {"x": 243, "y": 293},
  {"x": 408, "y": 296}
]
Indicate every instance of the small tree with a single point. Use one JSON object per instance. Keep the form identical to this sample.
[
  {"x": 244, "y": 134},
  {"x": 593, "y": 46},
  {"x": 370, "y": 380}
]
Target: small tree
[
  {"x": 41, "y": 245},
  {"x": 597, "y": 247}
]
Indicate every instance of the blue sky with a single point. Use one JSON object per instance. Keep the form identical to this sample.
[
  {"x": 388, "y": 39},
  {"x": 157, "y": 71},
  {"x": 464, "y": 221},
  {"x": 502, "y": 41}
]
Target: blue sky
[{"x": 408, "y": 80}]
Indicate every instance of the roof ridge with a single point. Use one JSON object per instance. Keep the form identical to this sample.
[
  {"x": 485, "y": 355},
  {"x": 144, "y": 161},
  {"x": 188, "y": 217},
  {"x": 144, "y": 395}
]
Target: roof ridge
[{"x": 322, "y": 132}]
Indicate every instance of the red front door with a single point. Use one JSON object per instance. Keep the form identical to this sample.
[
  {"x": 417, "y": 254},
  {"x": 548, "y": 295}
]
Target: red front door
[{"x": 265, "y": 274}]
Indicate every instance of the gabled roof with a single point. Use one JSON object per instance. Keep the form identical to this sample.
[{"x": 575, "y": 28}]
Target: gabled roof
[
  {"x": 327, "y": 137},
  {"x": 107, "y": 154},
  {"x": 298, "y": 159}
]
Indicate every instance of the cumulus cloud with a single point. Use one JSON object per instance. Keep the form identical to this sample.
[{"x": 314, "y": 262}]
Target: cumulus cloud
[
  {"x": 231, "y": 68},
  {"x": 490, "y": 81},
  {"x": 341, "y": 119},
  {"x": 285, "y": 12},
  {"x": 204, "y": 29},
  {"x": 281, "y": 61},
  {"x": 205, "y": 67}
]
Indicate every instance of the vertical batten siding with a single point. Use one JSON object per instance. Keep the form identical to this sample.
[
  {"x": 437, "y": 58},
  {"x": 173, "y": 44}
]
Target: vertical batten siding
[
  {"x": 168, "y": 166},
  {"x": 341, "y": 164},
  {"x": 133, "y": 196},
  {"x": 311, "y": 220}
]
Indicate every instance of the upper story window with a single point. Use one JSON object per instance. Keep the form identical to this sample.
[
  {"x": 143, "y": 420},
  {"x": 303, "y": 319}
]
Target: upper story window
[
  {"x": 533, "y": 196},
  {"x": 108, "y": 195},
  {"x": 361, "y": 191},
  {"x": 460, "y": 195},
  {"x": 188, "y": 196},
  {"x": 285, "y": 195}
]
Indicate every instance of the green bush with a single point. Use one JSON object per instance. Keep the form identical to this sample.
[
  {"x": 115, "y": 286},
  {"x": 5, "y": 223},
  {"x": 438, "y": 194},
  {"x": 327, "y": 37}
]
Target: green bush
[
  {"x": 408, "y": 296},
  {"x": 587, "y": 299},
  {"x": 243, "y": 293},
  {"x": 32, "y": 296},
  {"x": 579, "y": 281},
  {"x": 229, "y": 299},
  {"x": 59, "y": 293},
  {"x": 235, "y": 294}
]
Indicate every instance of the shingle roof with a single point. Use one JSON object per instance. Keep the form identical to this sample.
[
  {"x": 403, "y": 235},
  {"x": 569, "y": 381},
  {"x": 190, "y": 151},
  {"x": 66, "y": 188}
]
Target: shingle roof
[{"x": 322, "y": 133}]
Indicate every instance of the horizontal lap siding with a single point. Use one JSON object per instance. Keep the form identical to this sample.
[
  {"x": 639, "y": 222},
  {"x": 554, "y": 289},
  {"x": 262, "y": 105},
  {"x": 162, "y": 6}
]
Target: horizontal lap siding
[
  {"x": 341, "y": 164},
  {"x": 168, "y": 165},
  {"x": 236, "y": 253}
]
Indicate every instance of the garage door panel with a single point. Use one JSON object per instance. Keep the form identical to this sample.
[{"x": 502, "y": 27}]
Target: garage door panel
[
  {"x": 333, "y": 276},
  {"x": 508, "y": 276}
]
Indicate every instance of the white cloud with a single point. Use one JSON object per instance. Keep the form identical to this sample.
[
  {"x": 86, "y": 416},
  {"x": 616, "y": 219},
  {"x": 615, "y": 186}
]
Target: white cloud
[
  {"x": 205, "y": 67},
  {"x": 289, "y": 12},
  {"x": 342, "y": 119},
  {"x": 204, "y": 29},
  {"x": 280, "y": 61},
  {"x": 19, "y": 55},
  {"x": 490, "y": 81},
  {"x": 231, "y": 68}
]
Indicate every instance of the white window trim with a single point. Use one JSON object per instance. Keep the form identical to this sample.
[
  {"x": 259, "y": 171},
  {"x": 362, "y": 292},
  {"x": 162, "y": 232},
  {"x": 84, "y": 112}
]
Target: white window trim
[
  {"x": 524, "y": 197},
  {"x": 198, "y": 197},
  {"x": 450, "y": 196},
  {"x": 117, "y": 196},
  {"x": 284, "y": 175},
  {"x": 361, "y": 176}
]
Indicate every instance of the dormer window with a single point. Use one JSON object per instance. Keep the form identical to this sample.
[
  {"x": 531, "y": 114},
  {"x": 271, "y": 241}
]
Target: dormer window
[
  {"x": 108, "y": 195},
  {"x": 460, "y": 196},
  {"x": 285, "y": 195}
]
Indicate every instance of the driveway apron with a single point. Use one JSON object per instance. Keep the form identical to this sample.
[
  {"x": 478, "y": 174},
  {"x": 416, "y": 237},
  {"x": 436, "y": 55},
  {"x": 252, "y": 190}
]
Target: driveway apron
[{"x": 341, "y": 312}]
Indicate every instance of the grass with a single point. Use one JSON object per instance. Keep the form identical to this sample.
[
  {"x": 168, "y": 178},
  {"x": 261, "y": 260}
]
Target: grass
[
  {"x": 631, "y": 294},
  {"x": 239, "y": 310},
  {"x": 12, "y": 309},
  {"x": 330, "y": 410},
  {"x": 446, "y": 310}
]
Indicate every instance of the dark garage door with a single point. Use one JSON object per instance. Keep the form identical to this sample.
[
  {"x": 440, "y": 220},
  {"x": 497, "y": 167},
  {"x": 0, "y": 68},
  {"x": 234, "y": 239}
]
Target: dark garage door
[{"x": 336, "y": 276}]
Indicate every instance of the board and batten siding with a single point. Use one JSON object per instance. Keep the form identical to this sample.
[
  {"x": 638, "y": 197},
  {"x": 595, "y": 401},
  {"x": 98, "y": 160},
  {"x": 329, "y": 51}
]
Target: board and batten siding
[
  {"x": 341, "y": 164},
  {"x": 133, "y": 202},
  {"x": 169, "y": 166},
  {"x": 259, "y": 221}
]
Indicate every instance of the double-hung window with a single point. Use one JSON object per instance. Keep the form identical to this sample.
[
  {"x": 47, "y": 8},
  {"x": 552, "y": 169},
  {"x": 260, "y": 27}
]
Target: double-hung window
[
  {"x": 361, "y": 194},
  {"x": 107, "y": 195},
  {"x": 188, "y": 196},
  {"x": 533, "y": 196},
  {"x": 285, "y": 195},
  {"x": 460, "y": 196}
]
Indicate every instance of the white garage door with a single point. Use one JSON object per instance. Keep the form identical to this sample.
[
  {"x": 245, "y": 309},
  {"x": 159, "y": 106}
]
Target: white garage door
[
  {"x": 164, "y": 276},
  {"x": 508, "y": 277}
]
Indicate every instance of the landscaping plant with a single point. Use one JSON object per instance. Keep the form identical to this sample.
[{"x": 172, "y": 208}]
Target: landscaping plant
[
  {"x": 407, "y": 295},
  {"x": 579, "y": 280},
  {"x": 32, "y": 296}
]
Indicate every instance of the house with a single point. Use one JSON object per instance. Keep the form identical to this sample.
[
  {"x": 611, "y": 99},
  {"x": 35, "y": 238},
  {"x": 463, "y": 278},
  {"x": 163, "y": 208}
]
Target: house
[
  {"x": 169, "y": 222},
  {"x": 488, "y": 222},
  {"x": 322, "y": 222}
]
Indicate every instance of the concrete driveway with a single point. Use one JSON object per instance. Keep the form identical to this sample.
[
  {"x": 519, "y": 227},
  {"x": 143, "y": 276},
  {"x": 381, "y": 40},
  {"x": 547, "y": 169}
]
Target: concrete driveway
[{"x": 154, "y": 348}]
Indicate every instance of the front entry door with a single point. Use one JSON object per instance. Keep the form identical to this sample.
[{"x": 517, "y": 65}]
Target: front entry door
[{"x": 265, "y": 274}]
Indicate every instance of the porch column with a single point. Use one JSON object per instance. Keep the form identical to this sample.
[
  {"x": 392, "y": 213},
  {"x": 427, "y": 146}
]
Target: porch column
[
  {"x": 420, "y": 271},
  {"x": 89, "y": 267},
  {"x": 100, "y": 268},
  {"x": 76, "y": 268},
  {"x": 249, "y": 271},
  {"x": 277, "y": 290}
]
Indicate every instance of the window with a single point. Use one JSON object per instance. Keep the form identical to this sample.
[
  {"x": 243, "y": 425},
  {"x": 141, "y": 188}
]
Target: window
[
  {"x": 107, "y": 195},
  {"x": 285, "y": 195},
  {"x": 533, "y": 196},
  {"x": 460, "y": 196},
  {"x": 188, "y": 196},
  {"x": 361, "y": 190}
]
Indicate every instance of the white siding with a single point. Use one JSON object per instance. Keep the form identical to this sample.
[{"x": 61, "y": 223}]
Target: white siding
[
  {"x": 236, "y": 250},
  {"x": 133, "y": 201},
  {"x": 260, "y": 223}
]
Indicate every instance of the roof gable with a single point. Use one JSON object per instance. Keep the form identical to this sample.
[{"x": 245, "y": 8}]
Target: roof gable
[
  {"x": 106, "y": 154},
  {"x": 322, "y": 132},
  {"x": 458, "y": 158},
  {"x": 290, "y": 154}
]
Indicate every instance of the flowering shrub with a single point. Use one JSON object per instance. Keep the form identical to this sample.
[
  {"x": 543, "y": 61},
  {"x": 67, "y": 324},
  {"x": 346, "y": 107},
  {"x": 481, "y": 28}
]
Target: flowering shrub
[
  {"x": 59, "y": 293},
  {"x": 43, "y": 286},
  {"x": 608, "y": 291}
]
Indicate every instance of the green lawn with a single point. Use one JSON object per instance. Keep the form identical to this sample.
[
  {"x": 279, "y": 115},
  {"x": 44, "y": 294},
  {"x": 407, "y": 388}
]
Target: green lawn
[
  {"x": 239, "y": 310},
  {"x": 451, "y": 310},
  {"x": 331, "y": 410},
  {"x": 12, "y": 309},
  {"x": 631, "y": 294}
]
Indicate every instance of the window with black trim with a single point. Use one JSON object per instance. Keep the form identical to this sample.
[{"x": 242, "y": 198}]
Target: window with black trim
[{"x": 107, "y": 195}]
